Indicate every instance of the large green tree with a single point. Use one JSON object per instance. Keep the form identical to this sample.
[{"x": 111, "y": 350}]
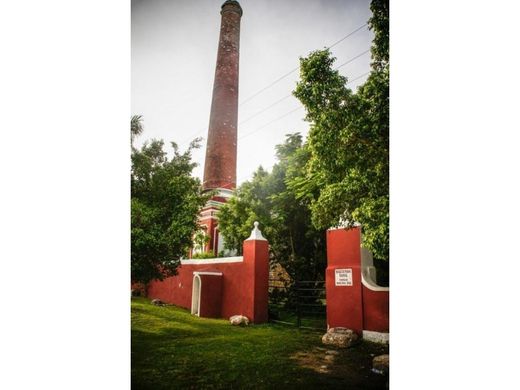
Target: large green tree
[
  {"x": 285, "y": 220},
  {"x": 347, "y": 176},
  {"x": 165, "y": 203}
]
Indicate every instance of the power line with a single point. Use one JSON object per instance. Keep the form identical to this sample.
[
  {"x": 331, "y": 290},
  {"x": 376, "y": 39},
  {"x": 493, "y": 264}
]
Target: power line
[
  {"x": 274, "y": 120},
  {"x": 353, "y": 59},
  {"x": 295, "y": 69},
  {"x": 269, "y": 86},
  {"x": 286, "y": 114},
  {"x": 265, "y": 109},
  {"x": 293, "y": 110},
  {"x": 346, "y": 36},
  {"x": 287, "y": 96},
  {"x": 358, "y": 77}
]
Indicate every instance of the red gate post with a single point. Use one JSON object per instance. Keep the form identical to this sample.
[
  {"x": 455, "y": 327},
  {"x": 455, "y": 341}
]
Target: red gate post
[
  {"x": 343, "y": 279},
  {"x": 256, "y": 261}
]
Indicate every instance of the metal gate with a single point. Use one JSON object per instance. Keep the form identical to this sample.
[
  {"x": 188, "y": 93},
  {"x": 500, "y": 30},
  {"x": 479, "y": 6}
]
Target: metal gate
[{"x": 300, "y": 303}]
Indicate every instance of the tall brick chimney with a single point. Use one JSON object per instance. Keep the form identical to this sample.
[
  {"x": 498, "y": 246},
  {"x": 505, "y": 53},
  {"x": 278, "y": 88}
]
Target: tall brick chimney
[
  {"x": 221, "y": 151},
  {"x": 220, "y": 166}
]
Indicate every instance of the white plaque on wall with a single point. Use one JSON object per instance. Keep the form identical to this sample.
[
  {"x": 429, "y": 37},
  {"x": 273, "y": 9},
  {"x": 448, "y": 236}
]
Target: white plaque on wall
[{"x": 344, "y": 277}]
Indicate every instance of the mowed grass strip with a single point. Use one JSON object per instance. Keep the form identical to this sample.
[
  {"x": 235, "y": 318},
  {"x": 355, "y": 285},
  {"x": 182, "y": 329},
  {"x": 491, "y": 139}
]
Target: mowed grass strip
[{"x": 171, "y": 349}]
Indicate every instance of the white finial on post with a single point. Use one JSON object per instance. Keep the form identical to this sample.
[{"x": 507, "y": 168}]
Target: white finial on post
[{"x": 256, "y": 234}]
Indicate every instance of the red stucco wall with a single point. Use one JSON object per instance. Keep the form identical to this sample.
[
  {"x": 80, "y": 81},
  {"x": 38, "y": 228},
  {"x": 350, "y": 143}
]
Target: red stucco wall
[
  {"x": 244, "y": 286},
  {"x": 376, "y": 310},
  {"x": 355, "y": 307},
  {"x": 344, "y": 303},
  {"x": 259, "y": 273}
]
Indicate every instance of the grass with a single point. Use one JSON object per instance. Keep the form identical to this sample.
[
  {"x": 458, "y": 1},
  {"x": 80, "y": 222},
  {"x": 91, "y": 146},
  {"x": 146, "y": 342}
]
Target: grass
[{"x": 171, "y": 349}]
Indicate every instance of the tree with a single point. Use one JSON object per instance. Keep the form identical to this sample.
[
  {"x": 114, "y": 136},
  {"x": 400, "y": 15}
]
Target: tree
[
  {"x": 347, "y": 175},
  {"x": 136, "y": 127},
  {"x": 293, "y": 242},
  {"x": 249, "y": 204},
  {"x": 165, "y": 203},
  {"x": 200, "y": 240}
]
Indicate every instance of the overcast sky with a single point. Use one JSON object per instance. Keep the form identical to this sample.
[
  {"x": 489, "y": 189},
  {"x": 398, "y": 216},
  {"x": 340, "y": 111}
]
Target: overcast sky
[{"x": 174, "y": 49}]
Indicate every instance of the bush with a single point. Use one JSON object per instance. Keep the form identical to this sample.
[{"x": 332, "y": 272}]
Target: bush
[{"x": 204, "y": 255}]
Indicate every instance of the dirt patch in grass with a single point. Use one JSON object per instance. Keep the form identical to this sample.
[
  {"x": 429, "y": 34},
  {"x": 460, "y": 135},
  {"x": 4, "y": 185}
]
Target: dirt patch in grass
[{"x": 351, "y": 367}]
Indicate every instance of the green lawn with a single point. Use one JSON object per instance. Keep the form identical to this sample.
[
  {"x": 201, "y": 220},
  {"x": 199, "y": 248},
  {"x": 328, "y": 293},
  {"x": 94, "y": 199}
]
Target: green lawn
[{"x": 171, "y": 349}]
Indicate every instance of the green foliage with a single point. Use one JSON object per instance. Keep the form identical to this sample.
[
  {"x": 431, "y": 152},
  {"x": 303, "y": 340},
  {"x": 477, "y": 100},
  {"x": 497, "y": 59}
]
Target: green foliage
[
  {"x": 284, "y": 220},
  {"x": 165, "y": 204},
  {"x": 347, "y": 175},
  {"x": 380, "y": 24},
  {"x": 200, "y": 240},
  {"x": 237, "y": 216},
  {"x": 203, "y": 255}
]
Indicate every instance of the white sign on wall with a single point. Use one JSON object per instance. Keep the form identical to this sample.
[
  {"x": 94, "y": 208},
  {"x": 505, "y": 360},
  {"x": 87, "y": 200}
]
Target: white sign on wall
[{"x": 344, "y": 277}]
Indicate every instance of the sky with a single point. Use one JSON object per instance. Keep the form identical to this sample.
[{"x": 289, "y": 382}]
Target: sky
[{"x": 174, "y": 51}]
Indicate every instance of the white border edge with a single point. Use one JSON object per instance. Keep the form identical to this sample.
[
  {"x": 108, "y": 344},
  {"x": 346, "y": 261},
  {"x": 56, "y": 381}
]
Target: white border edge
[
  {"x": 376, "y": 337},
  {"x": 373, "y": 287},
  {"x": 207, "y": 273},
  {"x": 218, "y": 260}
]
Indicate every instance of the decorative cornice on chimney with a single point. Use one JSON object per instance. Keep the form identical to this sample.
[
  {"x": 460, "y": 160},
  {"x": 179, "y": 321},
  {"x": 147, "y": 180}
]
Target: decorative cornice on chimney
[{"x": 231, "y": 6}]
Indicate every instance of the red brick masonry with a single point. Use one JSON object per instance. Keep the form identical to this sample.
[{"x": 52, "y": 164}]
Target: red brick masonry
[{"x": 221, "y": 151}]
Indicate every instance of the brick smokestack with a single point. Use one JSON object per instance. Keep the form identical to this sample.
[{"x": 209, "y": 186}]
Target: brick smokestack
[{"x": 221, "y": 152}]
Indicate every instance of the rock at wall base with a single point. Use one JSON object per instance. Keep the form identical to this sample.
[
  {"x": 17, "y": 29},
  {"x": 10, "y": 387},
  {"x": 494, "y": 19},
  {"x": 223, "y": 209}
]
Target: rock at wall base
[
  {"x": 340, "y": 337},
  {"x": 239, "y": 320},
  {"x": 381, "y": 364}
]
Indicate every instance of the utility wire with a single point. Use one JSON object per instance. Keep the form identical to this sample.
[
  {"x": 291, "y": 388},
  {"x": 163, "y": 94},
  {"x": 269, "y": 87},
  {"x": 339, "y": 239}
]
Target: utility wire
[
  {"x": 346, "y": 36},
  {"x": 295, "y": 69},
  {"x": 274, "y": 120},
  {"x": 283, "y": 116},
  {"x": 287, "y": 96},
  {"x": 352, "y": 59},
  {"x": 358, "y": 77},
  {"x": 286, "y": 114},
  {"x": 293, "y": 110},
  {"x": 265, "y": 109},
  {"x": 281, "y": 78},
  {"x": 269, "y": 86}
]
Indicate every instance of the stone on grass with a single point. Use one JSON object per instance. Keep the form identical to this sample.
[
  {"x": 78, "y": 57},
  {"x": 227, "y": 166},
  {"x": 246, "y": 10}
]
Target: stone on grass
[
  {"x": 380, "y": 364},
  {"x": 340, "y": 337},
  {"x": 239, "y": 320},
  {"x": 158, "y": 302}
]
